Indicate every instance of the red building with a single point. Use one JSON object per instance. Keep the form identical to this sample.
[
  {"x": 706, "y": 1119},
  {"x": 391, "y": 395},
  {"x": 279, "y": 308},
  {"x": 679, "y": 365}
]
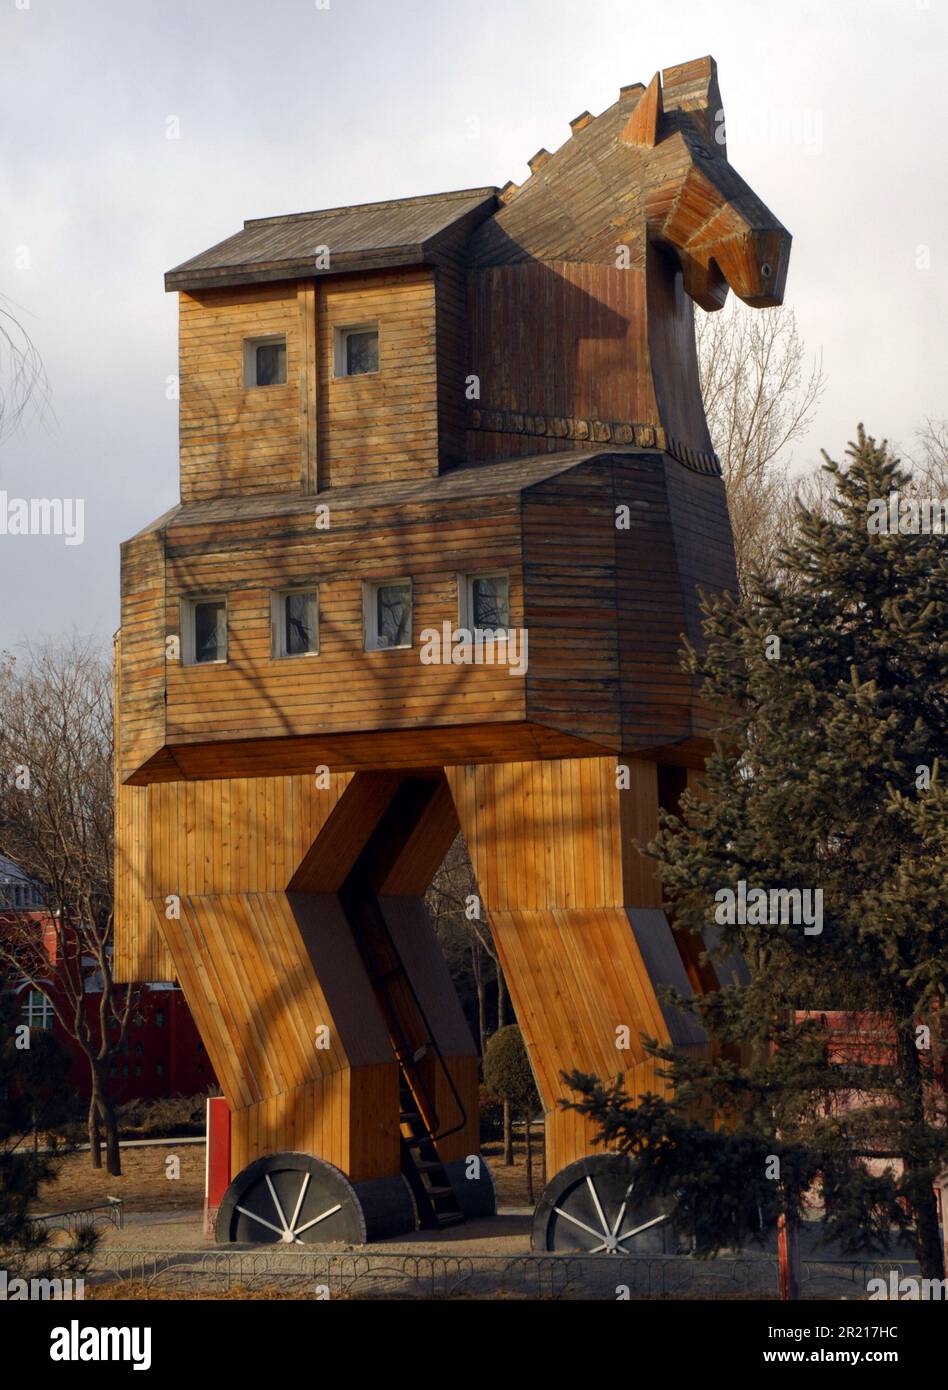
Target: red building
[{"x": 162, "y": 1054}]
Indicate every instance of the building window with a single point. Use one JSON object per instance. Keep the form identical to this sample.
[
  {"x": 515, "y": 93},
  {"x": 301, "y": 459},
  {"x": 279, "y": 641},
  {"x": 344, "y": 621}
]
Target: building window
[
  {"x": 159, "y": 1068},
  {"x": 36, "y": 1011},
  {"x": 356, "y": 350},
  {"x": 265, "y": 361},
  {"x": 159, "y": 1018},
  {"x": 387, "y": 614},
  {"x": 204, "y": 639},
  {"x": 484, "y": 601},
  {"x": 295, "y": 619}
]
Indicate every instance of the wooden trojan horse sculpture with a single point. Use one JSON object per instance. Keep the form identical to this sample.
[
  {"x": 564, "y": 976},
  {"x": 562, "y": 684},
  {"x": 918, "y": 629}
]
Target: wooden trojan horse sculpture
[{"x": 404, "y": 424}]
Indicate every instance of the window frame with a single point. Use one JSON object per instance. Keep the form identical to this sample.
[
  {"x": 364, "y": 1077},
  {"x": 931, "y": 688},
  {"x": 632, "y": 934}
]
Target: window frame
[
  {"x": 340, "y": 334},
  {"x": 188, "y": 631},
  {"x": 250, "y": 346},
  {"x": 466, "y": 597},
  {"x": 370, "y": 633},
  {"x": 29, "y": 1009},
  {"x": 278, "y": 650}
]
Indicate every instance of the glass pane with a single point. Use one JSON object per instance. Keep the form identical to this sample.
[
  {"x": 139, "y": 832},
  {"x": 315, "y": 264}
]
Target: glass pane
[
  {"x": 489, "y": 602},
  {"x": 362, "y": 352},
  {"x": 299, "y": 623},
  {"x": 393, "y": 614},
  {"x": 271, "y": 364},
  {"x": 210, "y": 630}
]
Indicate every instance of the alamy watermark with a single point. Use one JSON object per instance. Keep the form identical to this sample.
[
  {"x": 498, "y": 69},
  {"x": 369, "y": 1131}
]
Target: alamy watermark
[
  {"x": 43, "y": 516},
  {"x": 908, "y": 1289},
  {"x": 770, "y": 907},
  {"x": 39, "y": 1290},
  {"x": 462, "y": 646},
  {"x": 907, "y": 516}
]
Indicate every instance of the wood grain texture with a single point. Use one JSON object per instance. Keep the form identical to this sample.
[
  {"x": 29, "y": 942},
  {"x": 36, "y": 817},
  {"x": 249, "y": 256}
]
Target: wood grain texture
[
  {"x": 583, "y": 956},
  {"x": 383, "y": 424},
  {"x": 237, "y": 439}
]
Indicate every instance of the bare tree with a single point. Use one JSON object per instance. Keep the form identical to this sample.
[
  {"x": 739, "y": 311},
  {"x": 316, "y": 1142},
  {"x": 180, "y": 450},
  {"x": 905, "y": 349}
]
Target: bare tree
[
  {"x": 23, "y": 381},
  {"x": 760, "y": 395},
  {"x": 452, "y": 888},
  {"x": 56, "y": 810},
  {"x": 929, "y": 459}
]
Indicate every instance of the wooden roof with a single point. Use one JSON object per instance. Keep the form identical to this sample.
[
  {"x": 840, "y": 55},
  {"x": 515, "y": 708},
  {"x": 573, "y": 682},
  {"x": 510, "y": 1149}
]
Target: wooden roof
[
  {"x": 367, "y": 236},
  {"x": 478, "y": 480}
]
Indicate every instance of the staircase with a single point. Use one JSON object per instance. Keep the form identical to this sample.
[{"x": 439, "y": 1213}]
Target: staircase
[
  {"x": 412, "y": 1041},
  {"x": 423, "y": 1170}
]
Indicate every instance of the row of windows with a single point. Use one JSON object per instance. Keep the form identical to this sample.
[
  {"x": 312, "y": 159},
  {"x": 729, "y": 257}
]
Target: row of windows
[
  {"x": 355, "y": 353},
  {"x": 483, "y": 602}
]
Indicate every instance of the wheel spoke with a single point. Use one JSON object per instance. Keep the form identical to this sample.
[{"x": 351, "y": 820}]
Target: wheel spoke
[
  {"x": 598, "y": 1205},
  {"x": 259, "y": 1219},
  {"x": 299, "y": 1202},
  {"x": 316, "y": 1220},
  {"x": 618, "y": 1221},
  {"x": 276, "y": 1202},
  {"x": 576, "y": 1222},
  {"x": 636, "y": 1230}
]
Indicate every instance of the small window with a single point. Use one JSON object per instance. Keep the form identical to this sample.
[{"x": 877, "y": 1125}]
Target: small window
[
  {"x": 295, "y": 615},
  {"x": 485, "y": 601},
  {"x": 387, "y": 614},
  {"x": 36, "y": 1011},
  {"x": 205, "y": 630},
  {"x": 356, "y": 350},
  {"x": 265, "y": 361}
]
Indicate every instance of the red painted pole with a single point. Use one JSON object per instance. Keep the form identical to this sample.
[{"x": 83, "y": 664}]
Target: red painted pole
[
  {"x": 788, "y": 1256},
  {"x": 217, "y": 1161}
]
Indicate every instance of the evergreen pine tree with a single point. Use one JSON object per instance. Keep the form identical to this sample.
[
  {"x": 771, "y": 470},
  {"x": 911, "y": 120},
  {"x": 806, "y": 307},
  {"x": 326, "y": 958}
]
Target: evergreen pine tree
[
  {"x": 32, "y": 1087},
  {"x": 829, "y": 774}
]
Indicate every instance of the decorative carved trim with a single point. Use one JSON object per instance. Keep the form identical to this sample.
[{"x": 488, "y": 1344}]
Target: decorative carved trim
[{"x": 594, "y": 432}]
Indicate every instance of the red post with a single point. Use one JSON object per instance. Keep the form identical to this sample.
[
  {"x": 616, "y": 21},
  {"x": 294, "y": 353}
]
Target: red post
[
  {"x": 788, "y": 1256},
  {"x": 217, "y": 1160}
]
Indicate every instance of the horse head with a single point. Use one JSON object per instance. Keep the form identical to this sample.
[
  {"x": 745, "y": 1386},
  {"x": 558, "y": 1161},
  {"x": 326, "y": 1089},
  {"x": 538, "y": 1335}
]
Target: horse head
[{"x": 694, "y": 201}]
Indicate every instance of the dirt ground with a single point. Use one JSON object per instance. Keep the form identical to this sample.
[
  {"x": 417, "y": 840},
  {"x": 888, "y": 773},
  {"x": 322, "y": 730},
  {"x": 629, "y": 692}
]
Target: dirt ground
[{"x": 145, "y": 1184}]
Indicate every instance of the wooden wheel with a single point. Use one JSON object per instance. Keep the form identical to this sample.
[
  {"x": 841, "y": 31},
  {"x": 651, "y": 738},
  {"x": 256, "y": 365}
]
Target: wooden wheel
[
  {"x": 587, "y": 1208},
  {"x": 290, "y": 1199}
]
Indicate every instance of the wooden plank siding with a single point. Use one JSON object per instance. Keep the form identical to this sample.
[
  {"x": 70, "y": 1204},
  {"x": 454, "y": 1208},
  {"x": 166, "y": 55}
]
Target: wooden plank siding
[
  {"x": 234, "y": 439},
  {"x": 140, "y": 652},
  {"x": 343, "y": 688},
  {"x": 605, "y": 610},
  {"x": 571, "y": 905},
  {"x": 193, "y": 839},
  {"x": 380, "y": 425}
]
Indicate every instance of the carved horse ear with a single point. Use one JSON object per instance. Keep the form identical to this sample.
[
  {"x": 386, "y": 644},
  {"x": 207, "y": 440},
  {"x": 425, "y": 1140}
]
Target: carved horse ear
[
  {"x": 642, "y": 126},
  {"x": 692, "y": 88}
]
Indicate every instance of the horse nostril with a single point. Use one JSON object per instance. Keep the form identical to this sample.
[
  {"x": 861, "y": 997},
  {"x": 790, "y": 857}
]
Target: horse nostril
[{"x": 766, "y": 270}]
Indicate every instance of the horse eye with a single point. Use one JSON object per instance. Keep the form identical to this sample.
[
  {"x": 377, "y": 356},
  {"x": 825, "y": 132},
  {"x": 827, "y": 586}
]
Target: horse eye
[{"x": 766, "y": 270}]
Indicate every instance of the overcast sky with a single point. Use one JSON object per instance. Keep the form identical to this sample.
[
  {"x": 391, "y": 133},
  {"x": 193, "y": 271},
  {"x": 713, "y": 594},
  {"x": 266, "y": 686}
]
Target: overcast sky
[{"x": 835, "y": 116}]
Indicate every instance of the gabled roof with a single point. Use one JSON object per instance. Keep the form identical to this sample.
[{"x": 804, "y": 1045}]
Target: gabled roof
[{"x": 367, "y": 236}]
